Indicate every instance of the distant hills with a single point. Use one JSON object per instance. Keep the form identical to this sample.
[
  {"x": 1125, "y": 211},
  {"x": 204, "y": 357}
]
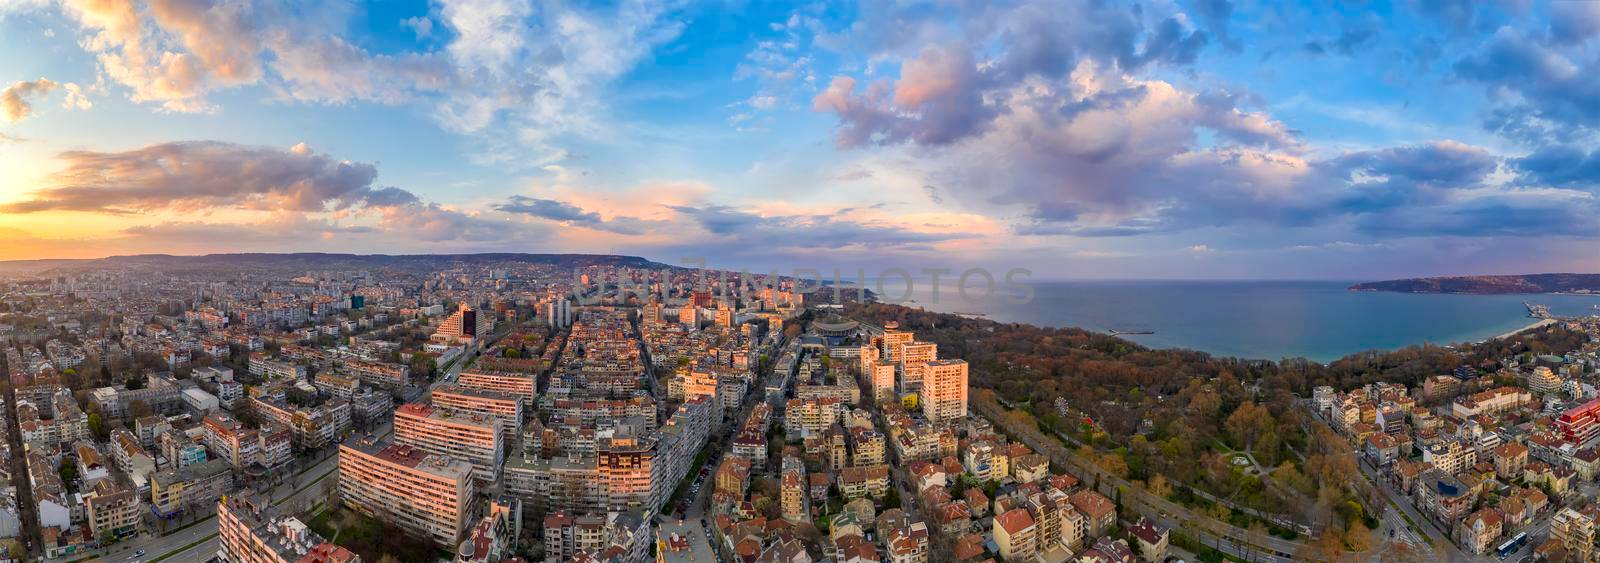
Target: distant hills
[{"x": 1482, "y": 285}]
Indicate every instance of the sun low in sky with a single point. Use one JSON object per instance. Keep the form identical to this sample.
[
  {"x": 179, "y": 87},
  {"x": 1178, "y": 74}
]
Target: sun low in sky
[{"x": 1196, "y": 139}]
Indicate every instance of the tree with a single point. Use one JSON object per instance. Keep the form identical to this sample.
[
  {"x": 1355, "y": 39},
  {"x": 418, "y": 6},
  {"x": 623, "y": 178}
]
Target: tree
[
  {"x": 1358, "y": 537},
  {"x": 1247, "y": 423},
  {"x": 1327, "y": 546},
  {"x": 1114, "y": 464},
  {"x": 139, "y": 409},
  {"x": 1158, "y": 486},
  {"x": 98, "y": 426},
  {"x": 68, "y": 471},
  {"x": 423, "y": 365},
  {"x": 1256, "y": 534}
]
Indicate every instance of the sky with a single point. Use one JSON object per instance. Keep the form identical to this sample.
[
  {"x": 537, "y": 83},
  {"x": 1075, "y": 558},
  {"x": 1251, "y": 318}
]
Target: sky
[{"x": 1077, "y": 139}]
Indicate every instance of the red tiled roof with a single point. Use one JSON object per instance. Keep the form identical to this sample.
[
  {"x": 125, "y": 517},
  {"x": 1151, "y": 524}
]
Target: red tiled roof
[{"x": 1014, "y": 520}]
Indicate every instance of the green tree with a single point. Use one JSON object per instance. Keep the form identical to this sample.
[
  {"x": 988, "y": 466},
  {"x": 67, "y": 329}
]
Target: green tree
[
  {"x": 97, "y": 426},
  {"x": 423, "y": 365},
  {"x": 68, "y": 471}
]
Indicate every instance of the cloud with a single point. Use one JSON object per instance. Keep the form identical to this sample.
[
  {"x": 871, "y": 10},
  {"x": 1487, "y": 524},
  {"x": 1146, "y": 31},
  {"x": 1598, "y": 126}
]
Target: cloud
[
  {"x": 955, "y": 90},
  {"x": 1546, "y": 95},
  {"x": 331, "y": 70},
  {"x": 526, "y": 76},
  {"x": 420, "y": 25},
  {"x": 514, "y": 73},
  {"x": 176, "y": 52},
  {"x": 208, "y": 174},
  {"x": 1523, "y": 213},
  {"x": 563, "y": 212},
  {"x": 753, "y": 230},
  {"x": 853, "y": 173},
  {"x": 283, "y": 230},
  {"x": 1574, "y": 22},
  {"x": 1102, "y": 153},
  {"x": 1561, "y": 166},
  {"x": 1442, "y": 163},
  {"x": 171, "y": 52},
  {"x": 1352, "y": 37},
  {"x": 433, "y": 223},
  {"x": 1216, "y": 15},
  {"x": 16, "y": 100}
]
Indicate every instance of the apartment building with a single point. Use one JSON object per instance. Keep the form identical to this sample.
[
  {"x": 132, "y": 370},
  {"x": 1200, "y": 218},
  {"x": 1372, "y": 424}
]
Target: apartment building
[
  {"x": 1450, "y": 457},
  {"x": 1580, "y": 425},
  {"x": 520, "y": 385},
  {"x": 944, "y": 391},
  {"x": 1015, "y": 533},
  {"x": 230, "y": 440},
  {"x": 379, "y": 374},
  {"x": 894, "y": 341},
  {"x": 251, "y": 530},
  {"x": 425, "y": 493},
  {"x": 312, "y": 427},
  {"x": 1493, "y": 401},
  {"x": 1575, "y": 531},
  {"x": 505, "y": 409},
  {"x": 110, "y": 509},
  {"x": 813, "y": 415},
  {"x": 467, "y": 436},
  {"x": 625, "y": 462},
  {"x": 916, "y": 353},
  {"x": 189, "y": 488}
]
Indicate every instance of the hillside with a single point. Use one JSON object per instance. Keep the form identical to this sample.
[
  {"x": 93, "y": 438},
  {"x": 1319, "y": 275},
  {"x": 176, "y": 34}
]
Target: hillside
[{"x": 1527, "y": 283}]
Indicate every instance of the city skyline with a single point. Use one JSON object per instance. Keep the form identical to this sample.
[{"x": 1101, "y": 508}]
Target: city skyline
[{"x": 1208, "y": 139}]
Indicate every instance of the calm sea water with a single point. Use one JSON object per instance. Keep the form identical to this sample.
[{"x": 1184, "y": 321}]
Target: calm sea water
[{"x": 1321, "y": 321}]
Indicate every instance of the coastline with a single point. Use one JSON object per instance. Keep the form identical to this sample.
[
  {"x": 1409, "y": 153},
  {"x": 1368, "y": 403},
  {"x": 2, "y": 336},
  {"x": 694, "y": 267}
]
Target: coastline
[{"x": 1541, "y": 323}]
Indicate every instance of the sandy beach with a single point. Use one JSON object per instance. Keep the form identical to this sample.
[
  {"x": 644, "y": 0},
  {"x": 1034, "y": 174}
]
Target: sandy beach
[{"x": 1536, "y": 324}]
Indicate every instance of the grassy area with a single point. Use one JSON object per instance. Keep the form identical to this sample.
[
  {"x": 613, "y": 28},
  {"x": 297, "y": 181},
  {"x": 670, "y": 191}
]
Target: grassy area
[{"x": 369, "y": 538}]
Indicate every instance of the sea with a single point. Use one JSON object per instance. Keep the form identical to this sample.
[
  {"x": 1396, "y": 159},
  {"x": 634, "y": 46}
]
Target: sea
[{"x": 1317, "y": 320}]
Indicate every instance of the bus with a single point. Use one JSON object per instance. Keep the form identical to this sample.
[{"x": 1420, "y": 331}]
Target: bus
[{"x": 1512, "y": 545}]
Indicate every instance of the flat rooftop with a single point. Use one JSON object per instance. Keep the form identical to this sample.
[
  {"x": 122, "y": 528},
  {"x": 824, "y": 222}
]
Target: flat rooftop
[{"x": 413, "y": 458}]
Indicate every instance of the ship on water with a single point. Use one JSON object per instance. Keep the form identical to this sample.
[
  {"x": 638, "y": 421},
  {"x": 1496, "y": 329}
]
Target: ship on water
[{"x": 1537, "y": 311}]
